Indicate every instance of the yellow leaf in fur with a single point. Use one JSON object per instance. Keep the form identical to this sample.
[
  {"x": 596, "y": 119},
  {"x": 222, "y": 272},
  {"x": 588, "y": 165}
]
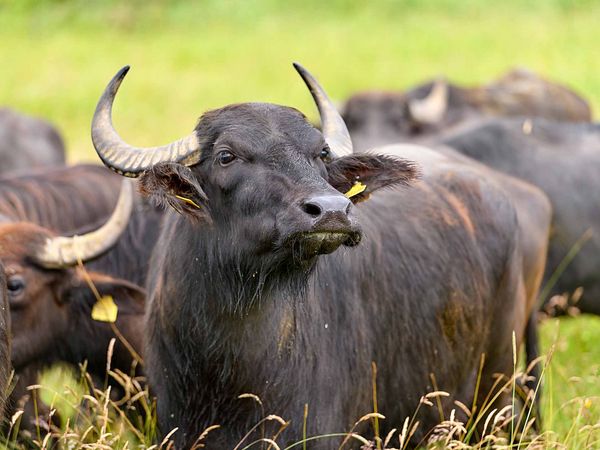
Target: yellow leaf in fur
[
  {"x": 356, "y": 189},
  {"x": 105, "y": 310}
]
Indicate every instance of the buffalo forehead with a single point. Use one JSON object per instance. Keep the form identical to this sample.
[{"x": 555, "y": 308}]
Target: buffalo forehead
[
  {"x": 20, "y": 239},
  {"x": 258, "y": 126}
]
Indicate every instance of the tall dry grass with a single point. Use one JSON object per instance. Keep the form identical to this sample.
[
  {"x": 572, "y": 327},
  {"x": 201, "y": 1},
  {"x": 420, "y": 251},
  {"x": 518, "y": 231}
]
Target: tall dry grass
[{"x": 87, "y": 416}]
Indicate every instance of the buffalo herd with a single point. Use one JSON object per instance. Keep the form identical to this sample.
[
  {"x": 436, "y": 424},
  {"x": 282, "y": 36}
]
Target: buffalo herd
[{"x": 405, "y": 245}]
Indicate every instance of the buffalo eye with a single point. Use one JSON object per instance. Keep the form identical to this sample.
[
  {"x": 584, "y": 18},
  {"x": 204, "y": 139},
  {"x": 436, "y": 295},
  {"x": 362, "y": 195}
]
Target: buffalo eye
[
  {"x": 325, "y": 155},
  {"x": 15, "y": 285},
  {"x": 225, "y": 158}
]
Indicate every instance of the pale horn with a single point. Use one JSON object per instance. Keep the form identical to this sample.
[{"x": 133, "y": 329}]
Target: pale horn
[
  {"x": 128, "y": 160},
  {"x": 431, "y": 109},
  {"x": 332, "y": 125},
  {"x": 60, "y": 252}
]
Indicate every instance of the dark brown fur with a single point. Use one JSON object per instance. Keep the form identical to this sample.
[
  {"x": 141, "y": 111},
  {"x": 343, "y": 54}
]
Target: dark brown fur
[
  {"x": 51, "y": 313},
  {"x": 563, "y": 160}
]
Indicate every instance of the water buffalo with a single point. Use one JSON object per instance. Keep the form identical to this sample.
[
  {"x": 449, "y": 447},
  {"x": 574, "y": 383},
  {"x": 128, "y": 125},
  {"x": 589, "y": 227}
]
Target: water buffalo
[
  {"x": 51, "y": 300},
  {"x": 76, "y": 200},
  {"x": 379, "y": 117},
  {"x": 564, "y": 161},
  {"x": 5, "y": 367},
  {"x": 272, "y": 281},
  {"x": 42, "y": 283},
  {"x": 31, "y": 205},
  {"x": 27, "y": 142}
]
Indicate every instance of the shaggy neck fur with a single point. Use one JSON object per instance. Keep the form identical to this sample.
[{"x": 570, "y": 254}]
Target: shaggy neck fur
[{"x": 239, "y": 299}]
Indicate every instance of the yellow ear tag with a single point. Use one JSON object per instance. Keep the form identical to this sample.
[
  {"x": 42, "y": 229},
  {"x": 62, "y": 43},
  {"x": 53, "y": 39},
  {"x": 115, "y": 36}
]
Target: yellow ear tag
[
  {"x": 188, "y": 201},
  {"x": 105, "y": 310},
  {"x": 356, "y": 189}
]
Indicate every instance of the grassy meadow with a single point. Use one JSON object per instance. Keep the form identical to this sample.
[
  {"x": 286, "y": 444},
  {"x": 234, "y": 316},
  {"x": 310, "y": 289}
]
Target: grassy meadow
[{"x": 187, "y": 57}]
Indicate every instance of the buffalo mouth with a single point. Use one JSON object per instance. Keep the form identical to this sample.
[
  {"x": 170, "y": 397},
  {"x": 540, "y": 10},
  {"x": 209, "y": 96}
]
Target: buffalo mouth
[{"x": 310, "y": 244}]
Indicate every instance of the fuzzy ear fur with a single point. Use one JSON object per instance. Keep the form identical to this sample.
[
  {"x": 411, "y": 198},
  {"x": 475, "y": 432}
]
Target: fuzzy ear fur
[
  {"x": 130, "y": 300},
  {"x": 129, "y": 297},
  {"x": 175, "y": 185},
  {"x": 374, "y": 171}
]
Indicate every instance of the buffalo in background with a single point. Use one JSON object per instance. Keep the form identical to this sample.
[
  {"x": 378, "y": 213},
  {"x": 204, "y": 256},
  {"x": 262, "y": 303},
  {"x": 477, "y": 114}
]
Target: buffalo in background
[
  {"x": 562, "y": 159},
  {"x": 77, "y": 199},
  {"x": 27, "y": 143},
  {"x": 380, "y": 117},
  {"x": 542, "y": 147},
  {"x": 51, "y": 306}
]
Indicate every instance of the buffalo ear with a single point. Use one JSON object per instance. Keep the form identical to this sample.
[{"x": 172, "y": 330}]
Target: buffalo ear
[
  {"x": 371, "y": 170},
  {"x": 129, "y": 297},
  {"x": 175, "y": 185},
  {"x": 130, "y": 300}
]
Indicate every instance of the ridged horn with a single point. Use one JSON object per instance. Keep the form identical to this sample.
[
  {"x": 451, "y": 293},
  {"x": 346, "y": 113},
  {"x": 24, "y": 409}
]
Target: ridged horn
[
  {"x": 332, "y": 125},
  {"x": 124, "y": 158},
  {"x": 431, "y": 109},
  {"x": 60, "y": 252}
]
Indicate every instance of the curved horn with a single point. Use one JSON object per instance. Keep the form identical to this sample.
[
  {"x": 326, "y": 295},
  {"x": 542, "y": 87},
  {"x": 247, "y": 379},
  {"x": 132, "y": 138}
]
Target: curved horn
[
  {"x": 432, "y": 108},
  {"x": 334, "y": 128},
  {"x": 124, "y": 158},
  {"x": 60, "y": 252}
]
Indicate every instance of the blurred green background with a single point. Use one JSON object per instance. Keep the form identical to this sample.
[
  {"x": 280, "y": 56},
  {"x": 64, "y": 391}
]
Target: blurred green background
[{"x": 187, "y": 57}]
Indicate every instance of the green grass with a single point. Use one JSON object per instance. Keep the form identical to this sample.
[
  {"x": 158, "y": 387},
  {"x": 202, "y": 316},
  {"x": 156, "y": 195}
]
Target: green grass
[
  {"x": 186, "y": 58},
  {"x": 574, "y": 375}
]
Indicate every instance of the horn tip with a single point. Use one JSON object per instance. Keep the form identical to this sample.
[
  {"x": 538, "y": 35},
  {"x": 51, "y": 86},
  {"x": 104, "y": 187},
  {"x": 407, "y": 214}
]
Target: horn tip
[
  {"x": 299, "y": 68},
  {"x": 309, "y": 80},
  {"x": 115, "y": 82},
  {"x": 122, "y": 72}
]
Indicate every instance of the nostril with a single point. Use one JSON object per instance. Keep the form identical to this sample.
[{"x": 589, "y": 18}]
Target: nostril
[
  {"x": 349, "y": 207},
  {"x": 312, "y": 209}
]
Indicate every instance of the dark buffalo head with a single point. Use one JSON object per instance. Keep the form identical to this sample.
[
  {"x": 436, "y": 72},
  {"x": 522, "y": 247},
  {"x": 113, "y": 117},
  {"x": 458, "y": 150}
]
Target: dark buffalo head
[
  {"x": 261, "y": 174},
  {"x": 383, "y": 117},
  {"x": 48, "y": 294}
]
